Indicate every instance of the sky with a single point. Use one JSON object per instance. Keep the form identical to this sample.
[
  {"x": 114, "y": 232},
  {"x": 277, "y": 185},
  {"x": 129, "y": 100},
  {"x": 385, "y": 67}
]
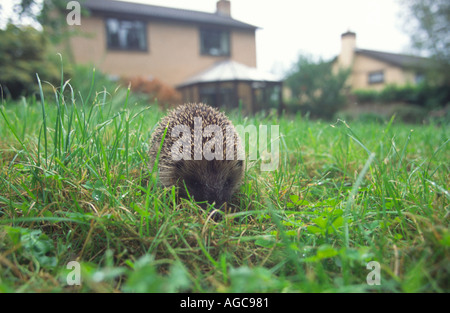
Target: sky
[
  {"x": 313, "y": 27},
  {"x": 288, "y": 28}
]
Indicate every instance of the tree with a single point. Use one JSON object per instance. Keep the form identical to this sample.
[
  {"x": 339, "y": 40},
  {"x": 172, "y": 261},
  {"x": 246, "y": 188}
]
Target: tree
[
  {"x": 50, "y": 14},
  {"x": 27, "y": 50},
  {"x": 23, "y": 53},
  {"x": 314, "y": 85},
  {"x": 428, "y": 22}
]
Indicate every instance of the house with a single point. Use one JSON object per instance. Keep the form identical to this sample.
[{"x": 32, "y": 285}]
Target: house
[
  {"x": 126, "y": 39},
  {"x": 375, "y": 69}
]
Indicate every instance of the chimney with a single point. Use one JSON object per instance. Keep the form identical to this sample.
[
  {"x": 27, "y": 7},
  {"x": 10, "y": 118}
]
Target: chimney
[
  {"x": 224, "y": 8},
  {"x": 348, "y": 45}
]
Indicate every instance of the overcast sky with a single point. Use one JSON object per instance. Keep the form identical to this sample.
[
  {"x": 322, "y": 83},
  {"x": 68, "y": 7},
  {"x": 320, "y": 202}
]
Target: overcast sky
[{"x": 290, "y": 27}]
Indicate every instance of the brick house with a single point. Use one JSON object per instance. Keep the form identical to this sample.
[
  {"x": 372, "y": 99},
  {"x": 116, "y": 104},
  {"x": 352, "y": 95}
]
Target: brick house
[
  {"x": 125, "y": 39},
  {"x": 372, "y": 69}
]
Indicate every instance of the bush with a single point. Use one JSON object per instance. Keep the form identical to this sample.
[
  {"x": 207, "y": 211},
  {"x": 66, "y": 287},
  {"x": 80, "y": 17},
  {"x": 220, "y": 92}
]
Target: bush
[
  {"x": 432, "y": 96},
  {"x": 366, "y": 96},
  {"x": 370, "y": 117},
  {"x": 155, "y": 89},
  {"x": 82, "y": 76},
  {"x": 91, "y": 82},
  {"x": 411, "y": 114},
  {"x": 424, "y": 95},
  {"x": 23, "y": 53},
  {"x": 406, "y": 94},
  {"x": 316, "y": 88}
]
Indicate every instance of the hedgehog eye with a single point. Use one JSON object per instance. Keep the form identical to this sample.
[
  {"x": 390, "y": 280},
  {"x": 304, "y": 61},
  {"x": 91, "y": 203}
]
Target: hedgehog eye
[
  {"x": 228, "y": 182},
  {"x": 193, "y": 183}
]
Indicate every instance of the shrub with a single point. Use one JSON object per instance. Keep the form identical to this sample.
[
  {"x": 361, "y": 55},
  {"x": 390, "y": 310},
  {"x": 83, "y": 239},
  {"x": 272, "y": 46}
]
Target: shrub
[
  {"x": 91, "y": 82},
  {"x": 366, "y": 96},
  {"x": 316, "y": 88},
  {"x": 155, "y": 89},
  {"x": 23, "y": 53},
  {"x": 389, "y": 94},
  {"x": 411, "y": 114},
  {"x": 424, "y": 95},
  {"x": 433, "y": 96},
  {"x": 370, "y": 117}
]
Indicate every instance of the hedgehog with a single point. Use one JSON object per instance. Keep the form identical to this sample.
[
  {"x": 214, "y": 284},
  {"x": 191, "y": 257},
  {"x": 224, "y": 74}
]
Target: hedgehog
[{"x": 201, "y": 154}]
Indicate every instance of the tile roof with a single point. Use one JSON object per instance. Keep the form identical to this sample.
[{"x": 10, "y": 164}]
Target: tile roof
[
  {"x": 401, "y": 60},
  {"x": 229, "y": 70},
  {"x": 158, "y": 12}
]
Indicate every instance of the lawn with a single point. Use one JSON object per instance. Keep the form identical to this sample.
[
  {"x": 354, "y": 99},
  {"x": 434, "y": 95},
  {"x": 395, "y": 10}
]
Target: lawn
[{"x": 352, "y": 207}]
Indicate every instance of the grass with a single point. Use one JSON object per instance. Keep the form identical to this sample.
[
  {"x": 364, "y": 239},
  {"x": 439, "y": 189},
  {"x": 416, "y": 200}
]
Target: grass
[{"x": 75, "y": 186}]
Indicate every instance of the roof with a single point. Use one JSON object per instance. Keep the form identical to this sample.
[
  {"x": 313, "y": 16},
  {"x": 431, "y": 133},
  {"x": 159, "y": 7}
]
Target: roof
[
  {"x": 229, "y": 70},
  {"x": 158, "y": 12},
  {"x": 401, "y": 60}
]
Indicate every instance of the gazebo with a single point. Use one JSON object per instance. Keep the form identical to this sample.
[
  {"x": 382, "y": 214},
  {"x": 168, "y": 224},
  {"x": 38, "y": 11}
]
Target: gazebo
[{"x": 227, "y": 83}]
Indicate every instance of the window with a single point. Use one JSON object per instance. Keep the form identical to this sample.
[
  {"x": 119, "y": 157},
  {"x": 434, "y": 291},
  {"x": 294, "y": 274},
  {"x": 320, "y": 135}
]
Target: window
[
  {"x": 217, "y": 96},
  {"x": 214, "y": 42},
  {"x": 376, "y": 77},
  {"x": 419, "y": 78},
  {"x": 126, "y": 35}
]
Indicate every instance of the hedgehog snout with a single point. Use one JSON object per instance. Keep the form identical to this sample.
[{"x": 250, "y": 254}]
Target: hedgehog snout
[
  {"x": 209, "y": 192},
  {"x": 214, "y": 194}
]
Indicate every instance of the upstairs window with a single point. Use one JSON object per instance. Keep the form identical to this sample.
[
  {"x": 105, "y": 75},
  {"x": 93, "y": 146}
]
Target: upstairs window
[
  {"x": 214, "y": 42},
  {"x": 376, "y": 77},
  {"x": 126, "y": 35}
]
